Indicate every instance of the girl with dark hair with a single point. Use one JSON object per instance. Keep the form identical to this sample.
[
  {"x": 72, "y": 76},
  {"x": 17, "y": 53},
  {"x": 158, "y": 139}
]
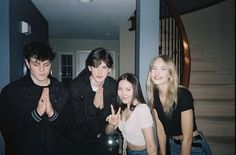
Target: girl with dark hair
[{"x": 133, "y": 118}]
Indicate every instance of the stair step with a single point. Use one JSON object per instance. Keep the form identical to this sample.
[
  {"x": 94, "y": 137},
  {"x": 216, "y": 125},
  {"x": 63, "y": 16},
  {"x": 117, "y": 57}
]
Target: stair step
[
  {"x": 220, "y": 126},
  {"x": 221, "y": 146},
  {"x": 220, "y": 92},
  {"x": 221, "y": 139},
  {"x": 199, "y": 65},
  {"x": 197, "y": 55},
  {"x": 203, "y": 77},
  {"x": 214, "y": 108}
]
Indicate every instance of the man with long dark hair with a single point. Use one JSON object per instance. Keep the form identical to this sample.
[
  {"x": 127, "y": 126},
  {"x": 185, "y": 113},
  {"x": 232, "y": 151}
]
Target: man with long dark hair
[{"x": 92, "y": 93}]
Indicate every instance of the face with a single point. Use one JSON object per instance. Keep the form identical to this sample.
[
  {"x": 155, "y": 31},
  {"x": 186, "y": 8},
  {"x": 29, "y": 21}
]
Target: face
[
  {"x": 99, "y": 73},
  {"x": 125, "y": 91},
  {"x": 39, "y": 70},
  {"x": 159, "y": 73}
]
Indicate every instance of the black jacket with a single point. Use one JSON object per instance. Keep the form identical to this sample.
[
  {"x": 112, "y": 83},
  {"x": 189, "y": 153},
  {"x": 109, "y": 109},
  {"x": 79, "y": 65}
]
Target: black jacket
[
  {"x": 24, "y": 131},
  {"x": 89, "y": 122}
]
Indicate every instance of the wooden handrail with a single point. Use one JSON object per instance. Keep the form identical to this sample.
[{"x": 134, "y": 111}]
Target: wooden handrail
[{"x": 185, "y": 54}]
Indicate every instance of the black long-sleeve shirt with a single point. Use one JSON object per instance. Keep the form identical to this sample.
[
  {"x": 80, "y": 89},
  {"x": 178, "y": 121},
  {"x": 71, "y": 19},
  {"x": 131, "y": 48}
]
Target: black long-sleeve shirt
[
  {"x": 24, "y": 131},
  {"x": 89, "y": 122}
]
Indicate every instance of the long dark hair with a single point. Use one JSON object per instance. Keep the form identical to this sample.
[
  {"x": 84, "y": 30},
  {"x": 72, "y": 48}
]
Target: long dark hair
[{"x": 137, "y": 91}]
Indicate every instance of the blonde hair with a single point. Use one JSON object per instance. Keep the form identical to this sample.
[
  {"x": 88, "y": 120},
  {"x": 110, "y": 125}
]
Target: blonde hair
[{"x": 173, "y": 83}]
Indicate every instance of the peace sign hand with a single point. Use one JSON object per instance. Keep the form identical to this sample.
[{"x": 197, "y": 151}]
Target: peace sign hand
[{"x": 113, "y": 118}]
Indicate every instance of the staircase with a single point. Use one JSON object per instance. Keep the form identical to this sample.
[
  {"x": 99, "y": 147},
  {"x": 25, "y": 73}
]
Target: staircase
[{"x": 214, "y": 92}]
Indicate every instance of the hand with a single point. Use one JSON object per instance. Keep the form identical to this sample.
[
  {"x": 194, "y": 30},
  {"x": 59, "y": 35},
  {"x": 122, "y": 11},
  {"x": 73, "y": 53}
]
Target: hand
[
  {"x": 49, "y": 108},
  {"x": 41, "y": 108},
  {"x": 44, "y": 104},
  {"x": 98, "y": 99},
  {"x": 113, "y": 118}
]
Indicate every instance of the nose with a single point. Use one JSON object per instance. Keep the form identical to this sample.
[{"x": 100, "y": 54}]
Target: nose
[
  {"x": 156, "y": 71},
  {"x": 41, "y": 68},
  {"x": 100, "y": 70}
]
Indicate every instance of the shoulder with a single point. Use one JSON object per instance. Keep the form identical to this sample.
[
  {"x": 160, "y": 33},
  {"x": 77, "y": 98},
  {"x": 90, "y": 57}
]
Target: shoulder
[
  {"x": 55, "y": 81},
  {"x": 110, "y": 80},
  {"x": 185, "y": 98},
  {"x": 110, "y": 85},
  {"x": 20, "y": 83},
  {"x": 142, "y": 108},
  {"x": 182, "y": 92},
  {"x": 143, "y": 115},
  {"x": 81, "y": 79}
]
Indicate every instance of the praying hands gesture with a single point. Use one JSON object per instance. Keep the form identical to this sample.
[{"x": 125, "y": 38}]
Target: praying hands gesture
[
  {"x": 44, "y": 104},
  {"x": 113, "y": 120},
  {"x": 98, "y": 99}
]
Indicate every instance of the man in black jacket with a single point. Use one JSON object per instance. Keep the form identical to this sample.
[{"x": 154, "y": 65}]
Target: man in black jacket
[
  {"x": 92, "y": 93},
  {"x": 31, "y": 107}
]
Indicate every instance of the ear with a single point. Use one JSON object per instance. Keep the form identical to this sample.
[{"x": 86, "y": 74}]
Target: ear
[
  {"x": 109, "y": 70},
  {"x": 27, "y": 63}
]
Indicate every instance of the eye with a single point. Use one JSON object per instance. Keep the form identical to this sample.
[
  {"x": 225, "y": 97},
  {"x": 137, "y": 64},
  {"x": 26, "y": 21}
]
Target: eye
[
  {"x": 154, "y": 69},
  {"x": 35, "y": 64},
  {"x": 163, "y": 68},
  {"x": 47, "y": 64},
  {"x": 105, "y": 67},
  {"x": 128, "y": 89}
]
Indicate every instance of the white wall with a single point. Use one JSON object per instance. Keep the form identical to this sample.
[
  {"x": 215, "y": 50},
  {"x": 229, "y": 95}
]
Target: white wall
[
  {"x": 127, "y": 50},
  {"x": 212, "y": 30}
]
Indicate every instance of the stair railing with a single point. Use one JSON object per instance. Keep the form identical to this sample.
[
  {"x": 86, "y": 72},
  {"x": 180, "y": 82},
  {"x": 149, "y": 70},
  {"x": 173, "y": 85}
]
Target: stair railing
[{"x": 174, "y": 41}]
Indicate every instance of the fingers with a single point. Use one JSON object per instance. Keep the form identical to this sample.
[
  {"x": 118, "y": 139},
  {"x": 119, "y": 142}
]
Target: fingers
[
  {"x": 118, "y": 112},
  {"x": 45, "y": 95},
  {"x": 44, "y": 104},
  {"x": 108, "y": 118},
  {"x": 112, "y": 110}
]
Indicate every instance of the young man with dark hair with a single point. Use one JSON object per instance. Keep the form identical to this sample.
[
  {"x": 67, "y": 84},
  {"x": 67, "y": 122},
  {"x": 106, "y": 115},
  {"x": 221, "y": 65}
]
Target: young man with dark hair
[
  {"x": 92, "y": 93},
  {"x": 31, "y": 107}
]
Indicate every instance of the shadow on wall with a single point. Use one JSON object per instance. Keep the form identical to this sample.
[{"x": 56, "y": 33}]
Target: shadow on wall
[{"x": 2, "y": 146}]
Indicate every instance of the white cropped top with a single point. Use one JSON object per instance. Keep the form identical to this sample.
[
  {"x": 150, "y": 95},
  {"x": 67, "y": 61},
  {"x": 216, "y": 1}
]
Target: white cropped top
[{"x": 132, "y": 128}]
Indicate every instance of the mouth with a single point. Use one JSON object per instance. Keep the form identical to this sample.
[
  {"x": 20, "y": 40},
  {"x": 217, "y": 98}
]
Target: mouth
[
  {"x": 157, "y": 78},
  {"x": 42, "y": 75},
  {"x": 99, "y": 77},
  {"x": 124, "y": 98}
]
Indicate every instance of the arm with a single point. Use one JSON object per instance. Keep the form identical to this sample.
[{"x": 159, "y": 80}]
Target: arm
[
  {"x": 149, "y": 140},
  {"x": 187, "y": 129},
  {"x": 160, "y": 133}
]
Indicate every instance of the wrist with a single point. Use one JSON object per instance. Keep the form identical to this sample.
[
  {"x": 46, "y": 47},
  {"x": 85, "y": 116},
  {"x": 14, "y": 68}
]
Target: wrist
[
  {"x": 112, "y": 126},
  {"x": 53, "y": 116}
]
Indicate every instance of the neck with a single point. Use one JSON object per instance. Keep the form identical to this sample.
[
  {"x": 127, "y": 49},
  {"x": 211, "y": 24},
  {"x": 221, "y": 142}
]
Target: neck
[
  {"x": 94, "y": 84},
  {"x": 162, "y": 89},
  {"x": 42, "y": 83}
]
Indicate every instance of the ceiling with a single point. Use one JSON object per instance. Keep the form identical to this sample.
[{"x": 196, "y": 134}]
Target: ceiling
[{"x": 99, "y": 19}]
